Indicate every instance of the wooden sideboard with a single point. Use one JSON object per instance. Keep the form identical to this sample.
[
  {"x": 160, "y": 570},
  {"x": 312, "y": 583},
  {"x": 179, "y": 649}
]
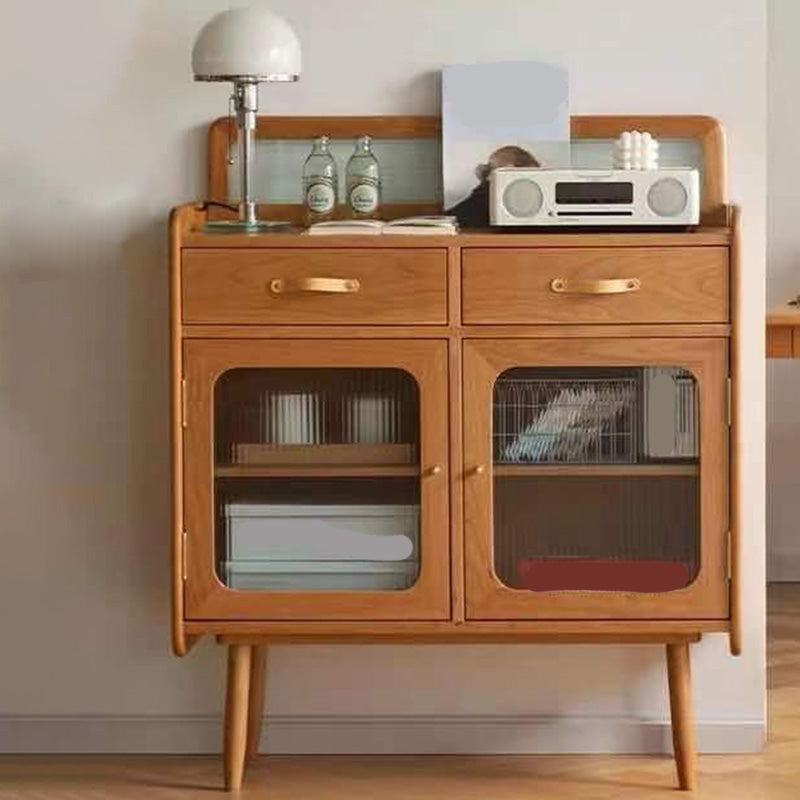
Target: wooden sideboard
[{"x": 501, "y": 398}]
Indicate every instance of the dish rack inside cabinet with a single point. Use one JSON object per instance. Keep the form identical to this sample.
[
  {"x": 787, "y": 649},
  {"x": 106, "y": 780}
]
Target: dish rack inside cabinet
[{"x": 579, "y": 416}]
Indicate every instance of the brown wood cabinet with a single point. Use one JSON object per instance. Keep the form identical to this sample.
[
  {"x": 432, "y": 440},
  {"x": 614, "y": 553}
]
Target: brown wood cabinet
[
  {"x": 488, "y": 437},
  {"x": 485, "y": 447}
]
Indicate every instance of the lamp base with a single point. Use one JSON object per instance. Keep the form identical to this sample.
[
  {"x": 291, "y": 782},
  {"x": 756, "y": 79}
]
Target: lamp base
[{"x": 238, "y": 226}]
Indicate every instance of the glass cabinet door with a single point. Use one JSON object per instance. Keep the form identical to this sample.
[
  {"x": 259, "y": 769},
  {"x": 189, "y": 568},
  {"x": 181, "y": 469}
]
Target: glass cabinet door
[
  {"x": 596, "y": 478},
  {"x": 323, "y": 487}
]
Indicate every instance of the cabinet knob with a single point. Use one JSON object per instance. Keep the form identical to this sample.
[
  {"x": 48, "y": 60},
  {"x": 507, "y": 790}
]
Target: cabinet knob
[
  {"x": 480, "y": 469},
  {"x": 435, "y": 470}
]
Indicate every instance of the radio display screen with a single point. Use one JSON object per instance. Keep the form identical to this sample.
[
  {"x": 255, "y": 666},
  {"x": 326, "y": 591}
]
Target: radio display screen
[{"x": 575, "y": 193}]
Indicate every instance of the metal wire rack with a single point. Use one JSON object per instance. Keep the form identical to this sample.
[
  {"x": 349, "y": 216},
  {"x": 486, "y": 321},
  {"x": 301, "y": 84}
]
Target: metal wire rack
[{"x": 579, "y": 420}]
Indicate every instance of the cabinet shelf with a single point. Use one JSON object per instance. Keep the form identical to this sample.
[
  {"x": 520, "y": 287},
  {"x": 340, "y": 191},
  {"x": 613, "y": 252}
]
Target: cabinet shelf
[
  {"x": 339, "y": 454},
  {"x": 596, "y": 470},
  {"x": 320, "y": 461},
  {"x": 316, "y": 470}
]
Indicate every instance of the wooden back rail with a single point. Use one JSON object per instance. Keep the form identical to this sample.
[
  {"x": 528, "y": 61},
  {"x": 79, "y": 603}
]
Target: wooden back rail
[{"x": 706, "y": 130}]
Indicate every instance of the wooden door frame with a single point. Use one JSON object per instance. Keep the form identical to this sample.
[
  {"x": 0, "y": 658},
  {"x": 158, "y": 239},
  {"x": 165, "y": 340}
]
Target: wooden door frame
[
  {"x": 205, "y": 596},
  {"x": 489, "y": 599}
]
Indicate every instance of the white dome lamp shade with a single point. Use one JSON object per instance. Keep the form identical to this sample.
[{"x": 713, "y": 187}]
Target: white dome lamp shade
[{"x": 247, "y": 46}]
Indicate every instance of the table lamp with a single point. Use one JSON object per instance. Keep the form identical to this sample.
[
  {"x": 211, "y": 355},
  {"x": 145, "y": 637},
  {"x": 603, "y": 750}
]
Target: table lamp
[{"x": 247, "y": 46}]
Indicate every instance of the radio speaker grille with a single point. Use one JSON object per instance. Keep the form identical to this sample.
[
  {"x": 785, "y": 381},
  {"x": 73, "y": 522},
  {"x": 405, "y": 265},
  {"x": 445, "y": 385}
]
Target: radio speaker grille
[
  {"x": 667, "y": 197},
  {"x": 523, "y": 198}
]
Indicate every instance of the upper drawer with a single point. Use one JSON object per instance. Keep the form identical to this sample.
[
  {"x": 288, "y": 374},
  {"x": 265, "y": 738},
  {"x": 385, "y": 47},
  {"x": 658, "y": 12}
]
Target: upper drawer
[
  {"x": 600, "y": 285},
  {"x": 309, "y": 286}
]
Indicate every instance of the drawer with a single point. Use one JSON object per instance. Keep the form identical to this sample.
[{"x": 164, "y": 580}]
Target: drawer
[
  {"x": 595, "y": 285},
  {"x": 381, "y": 286}
]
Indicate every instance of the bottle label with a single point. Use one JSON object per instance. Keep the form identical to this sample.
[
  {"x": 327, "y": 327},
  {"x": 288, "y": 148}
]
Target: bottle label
[
  {"x": 364, "y": 198},
  {"x": 320, "y": 198}
]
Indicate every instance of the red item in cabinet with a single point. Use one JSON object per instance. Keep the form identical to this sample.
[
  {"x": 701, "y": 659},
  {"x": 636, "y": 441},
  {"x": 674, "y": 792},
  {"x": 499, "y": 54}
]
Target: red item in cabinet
[{"x": 601, "y": 575}]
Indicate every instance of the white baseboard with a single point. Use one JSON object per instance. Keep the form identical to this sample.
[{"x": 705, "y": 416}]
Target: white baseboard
[{"x": 420, "y": 734}]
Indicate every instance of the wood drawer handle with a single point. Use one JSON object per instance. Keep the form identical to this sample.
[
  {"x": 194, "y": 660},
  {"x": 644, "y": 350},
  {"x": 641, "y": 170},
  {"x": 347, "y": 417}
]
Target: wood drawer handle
[
  {"x": 323, "y": 285},
  {"x": 603, "y": 286}
]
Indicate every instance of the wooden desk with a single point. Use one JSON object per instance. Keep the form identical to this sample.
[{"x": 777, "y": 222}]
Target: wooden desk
[{"x": 783, "y": 333}]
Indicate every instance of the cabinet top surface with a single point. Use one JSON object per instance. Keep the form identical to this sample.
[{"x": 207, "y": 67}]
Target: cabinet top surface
[
  {"x": 700, "y": 237},
  {"x": 188, "y": 223}
]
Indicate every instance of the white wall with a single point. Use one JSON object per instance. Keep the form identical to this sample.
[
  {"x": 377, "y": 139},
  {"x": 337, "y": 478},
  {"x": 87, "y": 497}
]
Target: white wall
[
  {"x": 783, "y": 258},
  {"x": 103, "y": 132}
]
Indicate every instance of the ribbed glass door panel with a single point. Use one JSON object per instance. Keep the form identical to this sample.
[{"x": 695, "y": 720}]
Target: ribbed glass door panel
[
  {"x": 596, "y": 479},
  {"x": 316, "y": 479}
]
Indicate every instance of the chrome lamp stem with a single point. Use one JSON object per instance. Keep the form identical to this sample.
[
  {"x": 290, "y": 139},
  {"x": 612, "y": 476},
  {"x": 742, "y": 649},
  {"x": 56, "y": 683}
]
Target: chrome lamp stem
[{"x": 245, "y": 96}]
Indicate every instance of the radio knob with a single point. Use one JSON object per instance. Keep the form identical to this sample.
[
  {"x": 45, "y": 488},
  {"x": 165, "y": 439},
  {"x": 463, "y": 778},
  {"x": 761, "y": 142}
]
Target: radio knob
[
  {"x": 523, "y": 198},
  {"x": 667, "y": 197}
]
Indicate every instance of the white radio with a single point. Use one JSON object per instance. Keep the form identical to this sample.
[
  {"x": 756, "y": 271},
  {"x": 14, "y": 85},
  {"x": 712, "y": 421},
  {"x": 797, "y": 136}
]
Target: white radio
[{"x": 536, "y": 196}]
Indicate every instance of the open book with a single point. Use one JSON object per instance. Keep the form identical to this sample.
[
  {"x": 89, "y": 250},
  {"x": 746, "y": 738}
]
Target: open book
[{"x": 431, "y": 225}]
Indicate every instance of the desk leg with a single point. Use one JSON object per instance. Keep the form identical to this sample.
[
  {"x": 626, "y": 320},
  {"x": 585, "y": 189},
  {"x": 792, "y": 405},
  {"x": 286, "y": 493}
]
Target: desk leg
[
  {"x": 240, "y": 657},
  {"x": 680, "y": 699}
]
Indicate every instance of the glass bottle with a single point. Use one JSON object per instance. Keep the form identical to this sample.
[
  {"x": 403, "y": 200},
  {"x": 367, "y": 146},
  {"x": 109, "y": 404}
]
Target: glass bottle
[
  {"x": 363, "y": 180},
  {"x": 320, "y": 183}
]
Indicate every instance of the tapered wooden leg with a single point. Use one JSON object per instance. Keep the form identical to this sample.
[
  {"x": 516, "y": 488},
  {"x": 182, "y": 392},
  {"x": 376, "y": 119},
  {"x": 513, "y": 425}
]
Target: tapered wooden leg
[
  {"x": 680, "y": 700},
  {"x": 240, "y": 658},
  {"x": 255, "y": 707}
]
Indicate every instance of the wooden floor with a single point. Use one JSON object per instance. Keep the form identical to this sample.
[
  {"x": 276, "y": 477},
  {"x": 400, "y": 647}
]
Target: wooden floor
[{"x": 773, "y": 775}]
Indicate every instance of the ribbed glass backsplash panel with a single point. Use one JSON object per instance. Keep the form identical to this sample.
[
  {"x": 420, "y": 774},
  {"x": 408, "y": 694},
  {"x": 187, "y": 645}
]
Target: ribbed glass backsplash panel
[{"x": 411, "y": 169}]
